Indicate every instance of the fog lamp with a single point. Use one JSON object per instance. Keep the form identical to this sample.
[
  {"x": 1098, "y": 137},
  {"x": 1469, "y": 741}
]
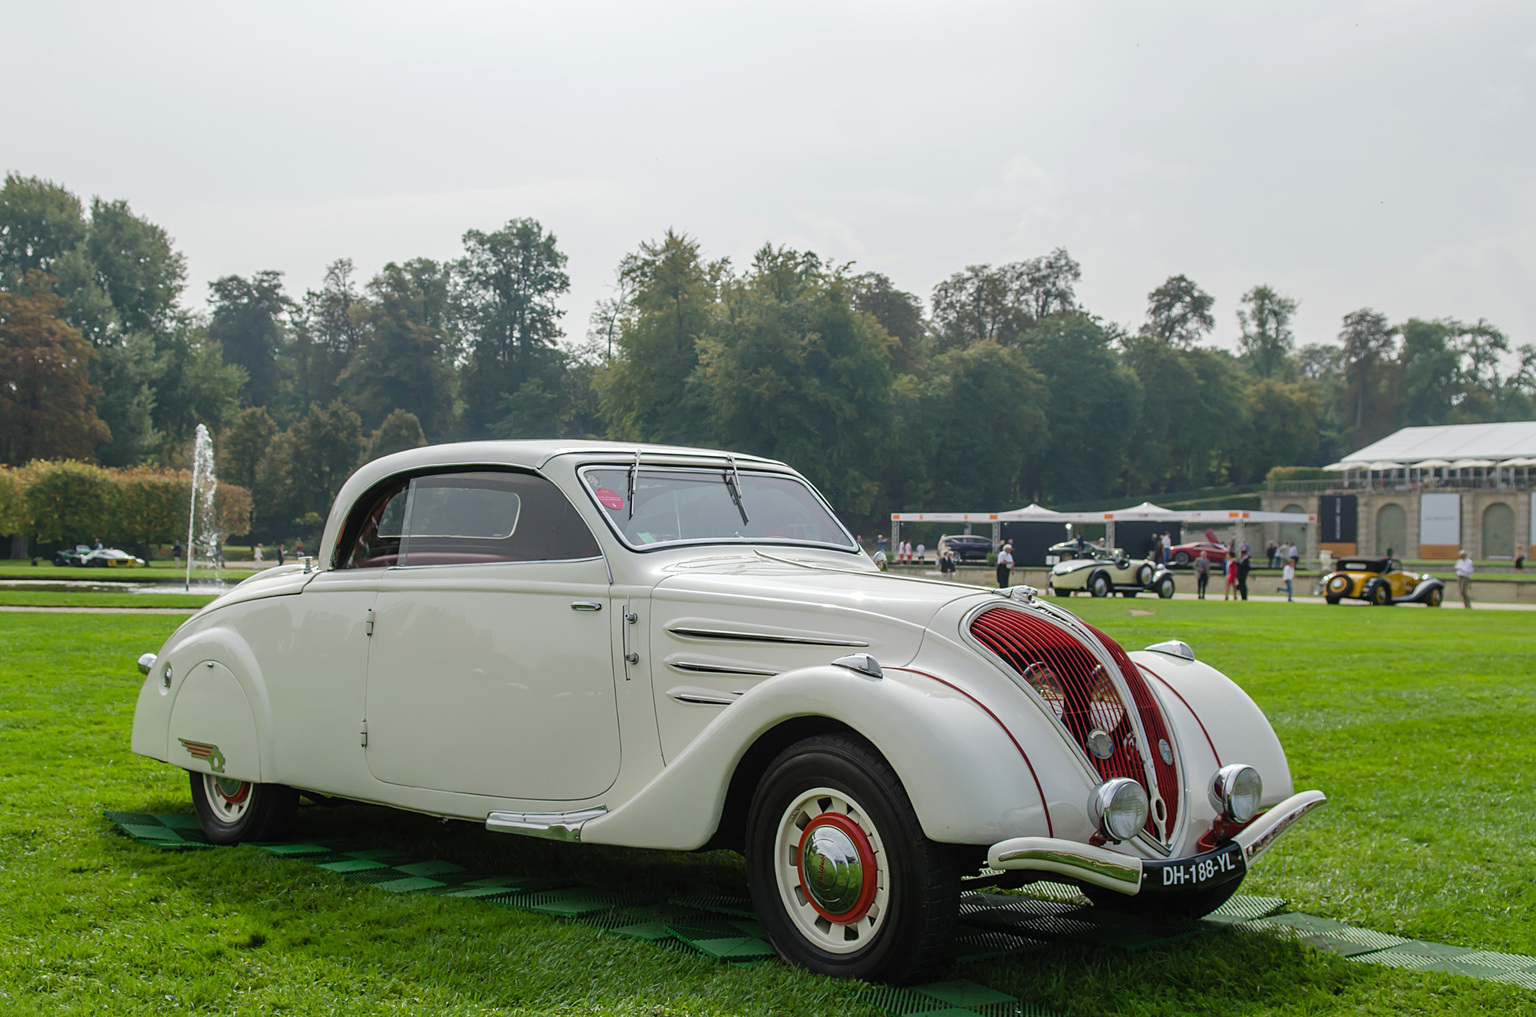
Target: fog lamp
[
  {"x": 1120, "y": 805},
  {"x": 1235, "y": 792}
]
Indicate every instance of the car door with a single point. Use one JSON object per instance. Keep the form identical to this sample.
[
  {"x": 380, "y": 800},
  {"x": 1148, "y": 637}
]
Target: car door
[{"x": 491, "y": 670}]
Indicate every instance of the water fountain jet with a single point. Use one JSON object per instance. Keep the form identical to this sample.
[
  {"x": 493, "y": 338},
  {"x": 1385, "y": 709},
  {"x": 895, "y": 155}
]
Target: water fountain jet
[{"x": 204, "y": 484}]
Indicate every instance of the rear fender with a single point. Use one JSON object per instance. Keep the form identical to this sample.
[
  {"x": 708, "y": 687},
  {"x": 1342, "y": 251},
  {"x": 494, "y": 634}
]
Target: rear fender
[
  {"x": 213, "y": 715},
  {"x": 967, "y": 782}
]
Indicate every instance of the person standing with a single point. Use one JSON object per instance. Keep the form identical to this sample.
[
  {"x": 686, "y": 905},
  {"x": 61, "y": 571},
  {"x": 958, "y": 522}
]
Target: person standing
[
  {"x": 947, "y": 563},
  {"x": 1231, "y": 589},
  {"x": 1289, "y": 575},
  {"x": 1519, "y": 558},
  {"x": 1004, "y": 564},
  {"x": 281, "y": 553},
  {"x": 922, "y": 553},
  {"x": 1202, "y": 576},
  {"x": 176, "y": 553},
  {"x": 256, "y": 554},
  {"x": 1243, "y": 565},
  {"x": 1464, "y": 578}
]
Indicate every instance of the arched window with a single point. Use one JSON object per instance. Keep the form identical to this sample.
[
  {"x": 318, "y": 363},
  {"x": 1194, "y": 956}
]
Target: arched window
[
  {"x": 1391, "y": 529},
  {"x": 1498, "y": 531}
]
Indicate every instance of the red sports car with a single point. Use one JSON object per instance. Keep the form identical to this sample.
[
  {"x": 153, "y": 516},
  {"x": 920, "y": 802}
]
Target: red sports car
[{"x": 1185, "y": 554}]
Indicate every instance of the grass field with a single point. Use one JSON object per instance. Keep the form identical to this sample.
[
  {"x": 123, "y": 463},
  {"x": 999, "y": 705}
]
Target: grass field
[{"x": 1415, "y": 722}]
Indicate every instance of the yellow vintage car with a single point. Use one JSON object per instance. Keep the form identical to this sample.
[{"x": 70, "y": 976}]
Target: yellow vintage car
[{"x": 1381, "y": 581}]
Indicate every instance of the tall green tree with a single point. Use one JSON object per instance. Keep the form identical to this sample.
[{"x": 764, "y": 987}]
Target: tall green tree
[
  {"x": 1187, "y": 432},
  {"x": 399, "y": 431},
  {"x": 973, "y": 433},
  {"x": 1369, "y": 341},
  {"x": 1179, "y": 313},
  {"x": 136, "y": 266},
  {"x": 249, "y": 322},
  {"x": 900, "y": 313},
  {"x": 645, "y": 392},
  {"x": 1094, "y": 406},
  {"x": 40, "y": 221},
  {"x": 986, "y": 304},
  {"x": 795, "y": 372},
  {"x": 1267, "y": 341},
  {"x": 507, "y": 285},
  {"x": 47, "y": 401},
  {"x": 401, "y": 361},
  {"x": 242, "y": 444},
  {"x": 1430, "y": 371},
  {"x": 327, "y": 327}
]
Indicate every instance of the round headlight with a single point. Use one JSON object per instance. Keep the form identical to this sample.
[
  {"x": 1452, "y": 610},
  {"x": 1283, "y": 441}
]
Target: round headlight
[
  {"x": 1120, "y": 805},
  {"x": 1235, "y": 792}
]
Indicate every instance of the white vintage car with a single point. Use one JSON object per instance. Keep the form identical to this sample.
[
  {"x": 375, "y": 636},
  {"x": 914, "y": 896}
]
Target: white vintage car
[
  {"x": 1105, "y": 572},
  {"x": 684, "y": 649}
]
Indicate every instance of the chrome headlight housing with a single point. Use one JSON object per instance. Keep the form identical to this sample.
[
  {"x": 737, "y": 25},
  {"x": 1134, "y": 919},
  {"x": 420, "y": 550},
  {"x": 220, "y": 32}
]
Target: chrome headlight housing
[
  {"x": 1235, "y": 792},
  {"x": 1120, "y": 807}
]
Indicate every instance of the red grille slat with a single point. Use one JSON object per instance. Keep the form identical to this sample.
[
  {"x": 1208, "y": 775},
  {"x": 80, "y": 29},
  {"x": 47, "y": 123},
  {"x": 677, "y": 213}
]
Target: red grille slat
[{"x": 1023, "y": 640}]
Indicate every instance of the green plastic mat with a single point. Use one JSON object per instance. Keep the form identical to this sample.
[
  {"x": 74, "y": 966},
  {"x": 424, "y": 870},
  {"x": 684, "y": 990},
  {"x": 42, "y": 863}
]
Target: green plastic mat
[{"x": 725, "y": 928}]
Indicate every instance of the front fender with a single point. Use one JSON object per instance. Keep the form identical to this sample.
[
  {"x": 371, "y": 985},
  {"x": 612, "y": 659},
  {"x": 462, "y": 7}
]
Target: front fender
[
  {"x": 967, "y": 782},
  {"x": 1425, "y": 585}
]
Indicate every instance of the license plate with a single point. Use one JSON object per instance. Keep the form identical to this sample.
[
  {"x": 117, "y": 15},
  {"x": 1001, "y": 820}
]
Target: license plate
[{"x": 1185, "y": 874}]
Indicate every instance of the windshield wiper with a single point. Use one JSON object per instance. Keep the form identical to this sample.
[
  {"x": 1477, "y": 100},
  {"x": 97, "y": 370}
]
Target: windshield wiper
[
  {"x": 633, "y": 473},
  {"x": 733, "y": 485}
]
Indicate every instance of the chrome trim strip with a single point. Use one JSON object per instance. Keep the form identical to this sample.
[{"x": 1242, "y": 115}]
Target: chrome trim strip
[
  {"x": 690, "y": 632},
  {"x": 1260, "y": 835},
  {"x": 692, "y": 665},
  {"x": 1099, "y": 866},
  {"x": 697, "y": 696},
  {"x": 549, "y": 825}
]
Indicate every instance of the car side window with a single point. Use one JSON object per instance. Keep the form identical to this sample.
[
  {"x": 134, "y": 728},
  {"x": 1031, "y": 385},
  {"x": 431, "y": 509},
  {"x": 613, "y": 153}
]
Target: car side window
[
  {"x": 489, "y": 516},
  {"x": 371, "y": 538}
]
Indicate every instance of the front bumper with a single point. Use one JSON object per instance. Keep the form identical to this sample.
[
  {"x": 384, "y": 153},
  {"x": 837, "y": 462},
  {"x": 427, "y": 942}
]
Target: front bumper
[{"x": 1129, "y": 874}]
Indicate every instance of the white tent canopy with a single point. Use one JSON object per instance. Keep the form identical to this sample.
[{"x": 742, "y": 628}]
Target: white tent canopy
[{"x": 1515, "y": 439}]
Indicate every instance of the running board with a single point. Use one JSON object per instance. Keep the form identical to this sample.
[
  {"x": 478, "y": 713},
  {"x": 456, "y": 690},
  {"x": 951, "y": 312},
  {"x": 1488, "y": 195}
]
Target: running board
[{"x": 549, "y": 825}]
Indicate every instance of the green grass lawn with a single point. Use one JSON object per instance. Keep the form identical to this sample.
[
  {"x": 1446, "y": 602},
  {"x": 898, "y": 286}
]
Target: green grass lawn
[
  {"x": 91, "y": 598},
  {"x": 1414, "y": 721}
]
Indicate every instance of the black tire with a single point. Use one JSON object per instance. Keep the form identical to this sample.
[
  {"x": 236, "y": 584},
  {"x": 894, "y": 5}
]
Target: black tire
[
  {"x": 1129, "y": 593},
  {"x": 1380, "y": 595},
  {"x": 1098, "y": 584},
  {"x": 232, "y": 811},
  {"x": 1434, "y": 596},
  {"x": 1181, "y": 559},
  {"x": 1193, "y": 905},
  {"x": 1165, "y": 588},
  {"x": 1333, "y": 600},
  {"x": 899, "y": 937}
]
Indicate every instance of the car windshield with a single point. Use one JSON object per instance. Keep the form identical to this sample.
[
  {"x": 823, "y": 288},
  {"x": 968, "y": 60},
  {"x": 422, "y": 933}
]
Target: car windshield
[{"x": 680, "y": 505}]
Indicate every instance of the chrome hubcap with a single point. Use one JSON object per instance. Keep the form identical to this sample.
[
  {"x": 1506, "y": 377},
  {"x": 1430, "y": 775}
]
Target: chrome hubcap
[
  {"x": 832, "y": 867},
  {"x": 831, "y": 871},
  {"x": 228, "y": 799}
]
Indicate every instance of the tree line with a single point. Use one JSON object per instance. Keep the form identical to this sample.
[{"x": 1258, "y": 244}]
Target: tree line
[{"x": 1001, "y": 388}]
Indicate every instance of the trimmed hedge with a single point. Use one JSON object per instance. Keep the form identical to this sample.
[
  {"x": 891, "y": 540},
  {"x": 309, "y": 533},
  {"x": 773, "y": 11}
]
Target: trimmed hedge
[{"x": 72, "y": 502}]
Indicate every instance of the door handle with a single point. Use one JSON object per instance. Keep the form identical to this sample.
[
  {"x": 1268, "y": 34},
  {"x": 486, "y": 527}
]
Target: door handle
[{"x": 586, "y": 605}]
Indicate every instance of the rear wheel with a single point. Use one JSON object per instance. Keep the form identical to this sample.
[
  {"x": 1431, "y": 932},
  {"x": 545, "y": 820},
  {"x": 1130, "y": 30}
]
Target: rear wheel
[
  {"x": 1181, "y": 559},
  {"x": 231, "y": 811},
  {"x": 1099, "y": 585},
  {"x": 842, "y": 876}
]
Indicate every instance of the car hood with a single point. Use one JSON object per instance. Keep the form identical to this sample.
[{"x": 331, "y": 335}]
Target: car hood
[{"x": 775, "y": 613}]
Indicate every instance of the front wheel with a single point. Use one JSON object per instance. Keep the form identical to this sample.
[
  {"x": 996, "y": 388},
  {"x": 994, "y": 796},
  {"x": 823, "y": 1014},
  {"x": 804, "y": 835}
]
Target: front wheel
[
  {"x": 1333, "y": 600},
  {"x": 231, "y": 811},
  {"x": 841, "y": 874},
  {"x": 1434, "y": 597},
  {"x": 1181, "y": 559},
  {"x": 1098, "y": 586},
  {"x": 1165, "y": 588}
]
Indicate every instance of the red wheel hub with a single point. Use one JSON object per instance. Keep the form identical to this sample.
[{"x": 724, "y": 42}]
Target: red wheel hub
[{"x": 837, "y": 868}]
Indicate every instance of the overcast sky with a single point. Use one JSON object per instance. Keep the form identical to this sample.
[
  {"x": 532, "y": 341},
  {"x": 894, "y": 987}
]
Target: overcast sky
[{"x": 1349, "y": 154}]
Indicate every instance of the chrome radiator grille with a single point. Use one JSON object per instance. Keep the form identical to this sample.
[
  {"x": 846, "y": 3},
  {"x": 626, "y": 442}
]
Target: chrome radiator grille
[{"x": 1072, "y": 680}]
